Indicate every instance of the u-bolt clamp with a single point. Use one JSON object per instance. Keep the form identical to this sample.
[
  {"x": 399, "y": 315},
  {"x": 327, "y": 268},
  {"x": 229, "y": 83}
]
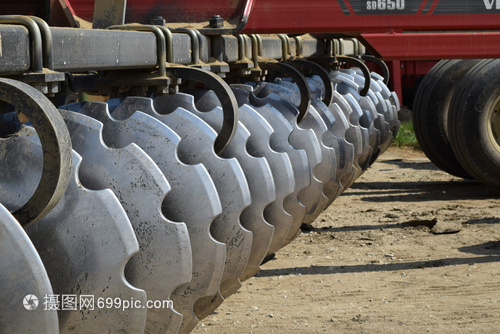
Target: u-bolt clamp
[
  {"x": 195, "y": 43},
  {"x": 304, "y": 66},
  {"x": 41, "y": 54},
  {"x": 300, "y": 46},
  {"x": 242, "y": 50},
  {"x": 223, "y": 93},
  {"x": 285, "y": 47},
  {"x": 243, "y": 62},
  {"x": 256, "y": 50},
  {"x": 160, "y": 42},
  {"x": 35, "y": 38},
  {"x": 337, "y": 49},
  {"x": 47, "y": 49},
  {"x": 284, "y": 70},
  {"x": 169, "y": 41},
  {"x": 197, "y": 61}
]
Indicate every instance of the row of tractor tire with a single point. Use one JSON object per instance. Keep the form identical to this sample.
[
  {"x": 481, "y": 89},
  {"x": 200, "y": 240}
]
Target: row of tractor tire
[
  {"x": 152, "y": 213},
  {"x": 456, "y": 118}
]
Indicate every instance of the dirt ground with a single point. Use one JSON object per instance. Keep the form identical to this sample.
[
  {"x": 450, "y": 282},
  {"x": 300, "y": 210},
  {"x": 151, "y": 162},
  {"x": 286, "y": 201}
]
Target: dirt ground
[{"x": 408, "y": 249}]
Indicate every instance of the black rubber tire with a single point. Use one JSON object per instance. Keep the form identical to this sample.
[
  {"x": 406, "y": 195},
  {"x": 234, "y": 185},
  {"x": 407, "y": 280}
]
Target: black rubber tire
[
  {"x": 474, "y": 122},
  {"x": 430, "y": 113}
]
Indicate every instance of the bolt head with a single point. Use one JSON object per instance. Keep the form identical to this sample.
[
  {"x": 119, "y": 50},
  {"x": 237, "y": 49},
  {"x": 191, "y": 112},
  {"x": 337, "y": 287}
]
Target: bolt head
[{"x": 216, "y": 22}]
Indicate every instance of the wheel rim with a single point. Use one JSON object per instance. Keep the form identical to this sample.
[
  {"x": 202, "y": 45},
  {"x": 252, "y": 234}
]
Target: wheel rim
[{"x": 494, "y": 124}]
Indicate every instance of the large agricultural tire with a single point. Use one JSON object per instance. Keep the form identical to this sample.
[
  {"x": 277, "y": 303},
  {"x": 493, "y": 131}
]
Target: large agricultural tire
[
  {"x": 474, "y": 122},
  {"x": 430, "y": 113}
]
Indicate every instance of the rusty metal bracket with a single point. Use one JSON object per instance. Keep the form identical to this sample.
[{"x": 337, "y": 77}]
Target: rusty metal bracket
[
  {"x": 56, "y": 145},
  {"x": 225, "y": 96},
  {"x": 237, "y": 23}
]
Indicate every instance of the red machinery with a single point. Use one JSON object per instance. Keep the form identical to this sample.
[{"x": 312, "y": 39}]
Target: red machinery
[
  {"x": 391, "y": 30},
  {"x": 397, "y": 31}
]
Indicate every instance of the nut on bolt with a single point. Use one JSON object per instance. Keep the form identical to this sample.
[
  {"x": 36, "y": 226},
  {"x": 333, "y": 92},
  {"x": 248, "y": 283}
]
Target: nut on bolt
[
  {"x": 158, "y": 21},
  {"x": 216, "y": 22}
]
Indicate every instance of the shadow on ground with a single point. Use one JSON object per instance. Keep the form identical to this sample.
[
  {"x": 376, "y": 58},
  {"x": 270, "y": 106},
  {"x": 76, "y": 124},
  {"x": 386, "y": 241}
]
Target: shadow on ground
[
  {"x": 422, "y": 191},
  {"x": 400, "y": 266},
  {"x": 401, "y": 163}
]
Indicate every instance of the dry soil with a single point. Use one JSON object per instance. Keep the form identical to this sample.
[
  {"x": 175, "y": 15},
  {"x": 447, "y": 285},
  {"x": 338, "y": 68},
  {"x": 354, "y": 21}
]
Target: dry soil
[{"x": 407, "y": 249}]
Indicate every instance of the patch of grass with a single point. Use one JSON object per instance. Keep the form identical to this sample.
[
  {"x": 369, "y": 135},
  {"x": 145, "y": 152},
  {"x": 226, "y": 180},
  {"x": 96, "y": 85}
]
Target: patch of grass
[{"x": 406, "y": 136}]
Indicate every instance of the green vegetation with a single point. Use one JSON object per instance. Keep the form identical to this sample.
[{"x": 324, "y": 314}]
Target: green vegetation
[{"x": 406, "y": 136}]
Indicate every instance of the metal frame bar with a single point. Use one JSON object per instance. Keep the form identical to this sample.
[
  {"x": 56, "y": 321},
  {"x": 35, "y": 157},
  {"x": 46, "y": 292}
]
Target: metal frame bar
[{"x": 79, "y": 50}]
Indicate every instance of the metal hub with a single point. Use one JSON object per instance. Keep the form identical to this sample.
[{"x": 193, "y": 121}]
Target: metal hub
[{"x": 493, "y": 125}]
